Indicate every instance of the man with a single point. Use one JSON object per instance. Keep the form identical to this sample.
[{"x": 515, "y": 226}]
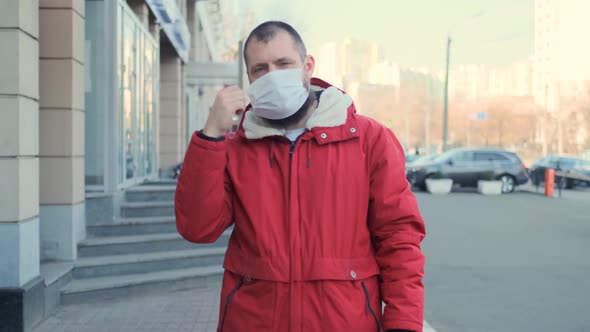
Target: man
[{"x": 325, "y": 225}]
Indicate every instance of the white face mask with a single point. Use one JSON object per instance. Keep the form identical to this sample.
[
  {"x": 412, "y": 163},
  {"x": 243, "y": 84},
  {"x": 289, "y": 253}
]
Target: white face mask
[{"x": 278, "y": 94}]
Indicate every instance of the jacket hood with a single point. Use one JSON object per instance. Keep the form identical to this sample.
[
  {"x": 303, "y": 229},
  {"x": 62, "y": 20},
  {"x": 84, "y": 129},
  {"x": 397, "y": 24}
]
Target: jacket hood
[{"x": 332, "y": 111}]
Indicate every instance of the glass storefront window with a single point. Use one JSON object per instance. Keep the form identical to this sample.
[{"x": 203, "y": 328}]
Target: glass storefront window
[
  {"x": 120, "y": 80},
  {"x": 138, "y": 77},
  {"x": 131, "y": 127}
]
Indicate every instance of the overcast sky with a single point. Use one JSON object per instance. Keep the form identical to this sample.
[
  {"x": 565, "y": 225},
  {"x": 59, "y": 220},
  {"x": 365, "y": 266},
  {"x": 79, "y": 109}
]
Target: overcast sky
[{"x": 413, "y": 32}]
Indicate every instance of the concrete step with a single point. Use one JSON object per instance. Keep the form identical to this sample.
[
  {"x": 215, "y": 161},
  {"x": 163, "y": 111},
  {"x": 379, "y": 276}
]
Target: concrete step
[
  {"x": 134, "y": 226},
  {"x": 161, "y": 182},
  {"x": 151, "y": 193},
  {"x": 147, "y": 209},
  {"x": 139, "y": 244},
  {"x": 87, "y": 290},
  {"x": 94, "y": 267}
]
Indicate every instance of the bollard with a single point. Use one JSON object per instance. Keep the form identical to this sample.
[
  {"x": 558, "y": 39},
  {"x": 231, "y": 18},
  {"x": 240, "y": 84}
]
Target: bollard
[{"x": 549, "y": 181}]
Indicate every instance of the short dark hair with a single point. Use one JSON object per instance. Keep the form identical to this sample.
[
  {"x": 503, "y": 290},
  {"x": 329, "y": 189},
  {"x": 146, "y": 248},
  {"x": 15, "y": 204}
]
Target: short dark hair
[{"x": 266, "y": 31}]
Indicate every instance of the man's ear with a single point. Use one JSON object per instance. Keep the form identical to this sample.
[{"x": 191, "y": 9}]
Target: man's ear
[{"x": 309, "y": 66}]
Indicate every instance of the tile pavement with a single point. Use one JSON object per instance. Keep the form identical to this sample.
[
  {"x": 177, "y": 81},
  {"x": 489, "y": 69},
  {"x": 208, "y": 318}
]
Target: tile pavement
[{"x": 185, "y": 310}]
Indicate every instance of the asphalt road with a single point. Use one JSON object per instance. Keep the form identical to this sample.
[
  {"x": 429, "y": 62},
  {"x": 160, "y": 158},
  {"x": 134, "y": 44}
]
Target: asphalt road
[{"x": 517, "y": 262}]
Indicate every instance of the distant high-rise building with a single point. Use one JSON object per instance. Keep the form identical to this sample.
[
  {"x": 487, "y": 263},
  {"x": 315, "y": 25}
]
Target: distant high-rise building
[
  {"x": 342, "y": 63},
  {"x": 359, "y": 56},
  {"x": 561, "y": 65},
  {"x": 468, "y": 82},
  {"x": 478, "y": 81},
  {"x": 512, "y": 81},
  {"x": 385, "y": 73},
  {"x": 329, "y": 63}
]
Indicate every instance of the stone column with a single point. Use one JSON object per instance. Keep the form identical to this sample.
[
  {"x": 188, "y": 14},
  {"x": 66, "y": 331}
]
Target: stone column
[
  {"x": 19, "y": 165},
  {"x": 61, "y": 149}
]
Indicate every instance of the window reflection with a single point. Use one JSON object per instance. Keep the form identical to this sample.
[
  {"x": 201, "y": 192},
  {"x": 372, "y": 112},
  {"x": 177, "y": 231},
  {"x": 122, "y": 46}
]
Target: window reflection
[{"x": 138, "y": 72}]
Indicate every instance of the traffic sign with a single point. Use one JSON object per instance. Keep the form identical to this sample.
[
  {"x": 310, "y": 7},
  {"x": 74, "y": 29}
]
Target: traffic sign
[{"x": 481, "y": 116}]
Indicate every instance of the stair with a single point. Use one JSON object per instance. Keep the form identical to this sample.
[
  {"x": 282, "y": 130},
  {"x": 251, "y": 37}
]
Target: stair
[
  {"x": 150, "y": 193},
  {"x": 147, "y": 209},
  {"x": 142, "y": 251}
]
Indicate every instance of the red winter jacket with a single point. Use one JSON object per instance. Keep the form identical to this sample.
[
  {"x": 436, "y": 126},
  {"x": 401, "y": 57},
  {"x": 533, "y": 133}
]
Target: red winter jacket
[{"x": 324, "y": 229}]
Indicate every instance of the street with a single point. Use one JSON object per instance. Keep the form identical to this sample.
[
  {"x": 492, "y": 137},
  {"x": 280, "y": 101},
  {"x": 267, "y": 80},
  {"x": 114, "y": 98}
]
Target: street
[{"x": 515, "y": 262}]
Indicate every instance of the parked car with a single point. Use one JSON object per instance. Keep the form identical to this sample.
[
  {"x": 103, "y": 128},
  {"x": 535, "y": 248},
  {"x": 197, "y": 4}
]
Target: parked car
[
  {"x": 410, "y": 158},
  {"x": 566, "y": 164},
  {"x": 467, "y": 166},
  {"x": 421, "y": 160}
]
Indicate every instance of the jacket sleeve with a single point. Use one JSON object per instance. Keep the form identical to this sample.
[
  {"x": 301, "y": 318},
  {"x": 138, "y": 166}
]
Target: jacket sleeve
[
  {"x": 203, "y": 199},
  {"x": 397, "y": 230}
]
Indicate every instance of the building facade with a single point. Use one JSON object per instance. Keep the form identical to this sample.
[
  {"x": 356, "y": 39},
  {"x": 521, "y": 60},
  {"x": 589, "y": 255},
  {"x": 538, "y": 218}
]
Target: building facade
[
  {"x": 93, "y": 100},
  {"x": 472, "y": 82}
]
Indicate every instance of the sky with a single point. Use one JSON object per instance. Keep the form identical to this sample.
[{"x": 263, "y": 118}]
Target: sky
[{"x": 413, "y": 33}]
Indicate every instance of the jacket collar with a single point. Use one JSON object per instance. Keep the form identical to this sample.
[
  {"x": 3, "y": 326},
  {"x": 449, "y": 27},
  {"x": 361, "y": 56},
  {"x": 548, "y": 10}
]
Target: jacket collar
[{"x": 334, "y": 112}]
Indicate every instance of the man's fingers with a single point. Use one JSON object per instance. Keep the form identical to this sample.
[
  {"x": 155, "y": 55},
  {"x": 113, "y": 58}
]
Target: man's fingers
[
  {"x": 232, "y": 90},
  {"x": 237, "y": 106},
  {"x": 236, "y": 95},
  {"x": 241, "y": 100},
  {"x": 236, "y": 99},
  {"x": 231, "y": 87}
]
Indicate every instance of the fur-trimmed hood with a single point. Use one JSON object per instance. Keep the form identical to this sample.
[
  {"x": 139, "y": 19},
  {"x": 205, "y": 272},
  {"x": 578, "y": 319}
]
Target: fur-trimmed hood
[{"x": 333, "y": 110}]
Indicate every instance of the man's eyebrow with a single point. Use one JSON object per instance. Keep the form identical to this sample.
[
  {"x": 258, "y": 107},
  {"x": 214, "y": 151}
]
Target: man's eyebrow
[
  {"x": 283, "y": 59},
  {"x": 258, "y": 65}
]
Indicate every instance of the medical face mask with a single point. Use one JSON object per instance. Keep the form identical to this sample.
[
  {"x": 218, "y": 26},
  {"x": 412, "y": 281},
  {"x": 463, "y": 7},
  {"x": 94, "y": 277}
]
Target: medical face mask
[{"x": 278, "y": 94}]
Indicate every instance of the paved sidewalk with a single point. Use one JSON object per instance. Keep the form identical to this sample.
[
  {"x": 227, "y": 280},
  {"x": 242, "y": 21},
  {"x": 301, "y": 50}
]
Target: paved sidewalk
[{"x": 190, "y": 310}]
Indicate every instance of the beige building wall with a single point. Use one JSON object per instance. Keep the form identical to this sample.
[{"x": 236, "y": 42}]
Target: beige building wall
[
  {"x": 173, "y": 107},
  {"x": 19, "y": 143},
  {"x": 61, "y": 127},
  {"x": 202, "y": 96},
  {"x": 170, "y": 107}
]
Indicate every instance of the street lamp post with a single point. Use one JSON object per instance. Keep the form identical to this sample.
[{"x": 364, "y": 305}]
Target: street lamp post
[{"x": 446, "y": 105}]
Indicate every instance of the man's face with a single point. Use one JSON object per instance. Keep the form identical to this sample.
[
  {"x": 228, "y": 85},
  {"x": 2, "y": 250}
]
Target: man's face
[{"x": 278, "y": 53}]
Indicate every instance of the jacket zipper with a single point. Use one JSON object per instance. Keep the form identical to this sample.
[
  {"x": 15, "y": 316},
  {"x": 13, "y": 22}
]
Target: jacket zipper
[
  {"x": 368, "y": 299},
  {"x": 292, "y": 149},
  {"x": 228, "y": 301},
  {"x": 292, "y": 145}
]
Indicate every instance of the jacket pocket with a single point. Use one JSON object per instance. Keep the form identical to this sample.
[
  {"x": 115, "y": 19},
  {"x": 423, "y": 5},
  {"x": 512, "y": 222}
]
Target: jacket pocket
[
  {"x": 228, "y": 301},
  {"x": 369, "y": 308}
]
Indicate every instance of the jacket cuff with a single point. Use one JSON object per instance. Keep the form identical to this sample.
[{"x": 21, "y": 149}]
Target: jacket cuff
[
  {"x": 401, "y": 326},
  {"x": 209, "y": 138},
  {"x": 207, "y": 144}
]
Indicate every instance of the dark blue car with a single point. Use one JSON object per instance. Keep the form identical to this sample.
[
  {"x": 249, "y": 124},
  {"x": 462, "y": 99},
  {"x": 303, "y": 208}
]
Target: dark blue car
[{"x": 565, "y": 164}]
